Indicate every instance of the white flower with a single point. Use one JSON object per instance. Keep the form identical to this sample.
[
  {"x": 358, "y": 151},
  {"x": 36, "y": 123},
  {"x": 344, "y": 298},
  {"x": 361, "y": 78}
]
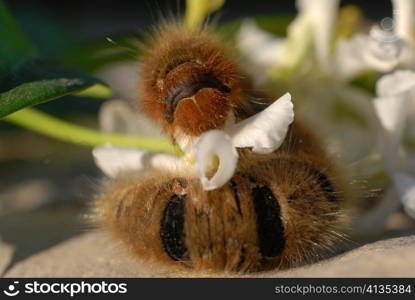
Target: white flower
[
  {"x": 394, "y": 105},
  {"x": 322, "y": 16},
  {"x": 215, "y": 143},
  {"x": 404, "y": 12},
  {"x": 261, "y": 48},
  {"x": 378, "y": 51},
  {"x": 312, "y": 28},
  {"x": 309, "y": 35},
  {"x": 268, "y": 52},
  {"x": 122, "y": 78},
  {"x": 115, "y": 161},
  {"x": 116, "y": 116},
  {"x": 404, "y": 28},
  {"x": 382, "y": 49},
  {"x": 263, "y": 132}
]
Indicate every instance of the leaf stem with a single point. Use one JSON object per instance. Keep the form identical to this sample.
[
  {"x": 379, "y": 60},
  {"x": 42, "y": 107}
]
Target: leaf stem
[
  {"x": 45, "y": 124},
  {"x": 198, "y": 10}
]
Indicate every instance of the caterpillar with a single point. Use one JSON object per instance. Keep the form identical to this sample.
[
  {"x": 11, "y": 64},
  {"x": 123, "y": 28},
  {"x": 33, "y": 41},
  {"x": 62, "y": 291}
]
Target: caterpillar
[{"x": 279, "y": 210}]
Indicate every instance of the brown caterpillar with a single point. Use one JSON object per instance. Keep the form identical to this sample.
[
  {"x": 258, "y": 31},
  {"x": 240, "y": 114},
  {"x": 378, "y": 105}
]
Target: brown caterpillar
[{"x": 279, "y": 210}]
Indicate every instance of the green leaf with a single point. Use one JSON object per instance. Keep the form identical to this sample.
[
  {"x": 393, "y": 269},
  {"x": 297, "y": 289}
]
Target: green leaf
[
  {"x": 14, "y": 45},
  {"x": 36, "y": 92},
  {"x": 37, "y": 81},
  {"x": 47, "y": 31}
]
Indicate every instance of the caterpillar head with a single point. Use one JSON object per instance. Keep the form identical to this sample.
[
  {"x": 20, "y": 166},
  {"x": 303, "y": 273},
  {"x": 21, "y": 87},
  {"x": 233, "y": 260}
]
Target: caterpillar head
[{"x": 188, "y": 83}]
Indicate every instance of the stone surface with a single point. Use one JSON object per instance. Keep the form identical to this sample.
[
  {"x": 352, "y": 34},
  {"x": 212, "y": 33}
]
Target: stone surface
[
  {"x": 53, "y": 244},
  {"x": 386, "y": 258}
]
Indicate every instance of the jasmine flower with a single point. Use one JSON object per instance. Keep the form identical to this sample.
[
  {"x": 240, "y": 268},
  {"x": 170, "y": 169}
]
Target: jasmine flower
[{"x": 263, "y": 132}]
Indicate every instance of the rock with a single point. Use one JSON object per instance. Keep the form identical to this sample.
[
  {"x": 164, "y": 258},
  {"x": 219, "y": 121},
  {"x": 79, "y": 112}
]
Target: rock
[
  {"x": 56, "y": 242},
  {"x": 386, "y": 258},
  {"x": 91, "y": 254},
  {"x": 94, "y": 254},
  {"x": 14, "y": 198}
]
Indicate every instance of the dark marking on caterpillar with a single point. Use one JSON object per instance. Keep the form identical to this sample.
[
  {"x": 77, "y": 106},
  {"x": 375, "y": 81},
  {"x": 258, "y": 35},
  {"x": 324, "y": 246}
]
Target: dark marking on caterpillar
[
  {"x": 325, "y": 184},
  {"x": 269, "y": 224},
  {"x": 234, "y": 188},
  {"x": 188, "y": 88},
  {"x": 119, "y": 213},
  {"x": 172, "y": 228},
  {"x": 175, "y": 63},
  {"x": 242, "y": 258}
]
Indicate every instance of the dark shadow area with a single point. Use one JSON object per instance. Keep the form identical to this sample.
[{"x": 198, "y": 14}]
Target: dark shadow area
[
  {"x": 32, "y": 232},
  {"x": 93, "y": 19},
  {"x": 55, "y": 215}
]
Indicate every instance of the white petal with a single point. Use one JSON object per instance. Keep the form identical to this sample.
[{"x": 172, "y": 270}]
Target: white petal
[
  {"x": 166, "y": 162},
  {"x": 397, "y": 83},
  {"x": 261, "y": 50},
  {"x": 123, "y": 78},
  {"x": 392, "y": 107},
  {"x": 405, "y": 186},
  {"x": 404, "y": 28},
  {"x": 265, "y": 131},
  {"x": 215, "y": 143},
  {"x": 296, "y": 53},
  {"x": 114, "y": 161},
  {"x": 347, "y": 60},
  {"x": 323, "y": 14},
  {"x": 391, "y": 112},
  {"x": 261, "y": 47},
  {"x": 404, "y": 15},
  {"x": 363, "y": 52},
  {"x": 117, "y": 116},
  {"x": 394, "y": 101}
]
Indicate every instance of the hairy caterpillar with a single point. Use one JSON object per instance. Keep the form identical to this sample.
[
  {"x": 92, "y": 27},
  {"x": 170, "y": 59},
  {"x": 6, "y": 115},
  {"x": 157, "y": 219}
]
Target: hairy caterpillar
[{"x": 279, "y": 210}]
